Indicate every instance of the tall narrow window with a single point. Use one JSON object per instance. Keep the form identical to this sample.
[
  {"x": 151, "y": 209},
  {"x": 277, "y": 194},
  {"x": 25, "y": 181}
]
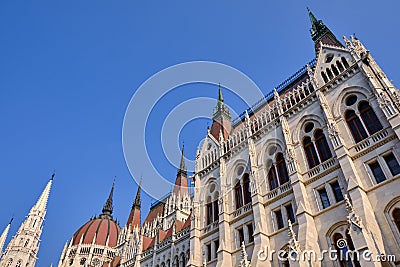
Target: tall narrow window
[
  {"x": 216, "y": 247},
  {"x": 329, "y": 72},
  {"x": 323, "y": 195},
  {"x": 369, "y": 117},
  {"x": 208, "y": 252},
  {"x": 346, "y": 65},
  {"x": 279, "y": 219},
  {"x": 340, "y": 66},
  {"x": 377, "y": 172},
  {"x": 238, "y": 195},
  {"x": 250, "y": 231},
  {"x": 324, "y": 77},
  {"x": 322, "y": 145},
  {"x": 216, "y": 211},
  {"x": 246, "y": 189},
  {"x": 240, "y": 236},
  {"x": 392, "y": 164},
  {"x": 396, "y": 218},
  {"x": 209, "y": 213},
  {"x": 337, "y": 192},
  {"x": 272, "y": 181},
  {"x": 356, "y": 128},
  {"x": 282, "y": 170},
  {"x": 290, "y": 213},
  {"x": 311, "y": 154}
]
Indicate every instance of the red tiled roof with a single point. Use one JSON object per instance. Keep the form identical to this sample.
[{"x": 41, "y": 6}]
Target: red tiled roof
[
  {"x": 154, "y": 212},
  {"x": 188, "y": 222},
  {"x": 147, "y": 243},
  {"x": 99, "y": 228}
]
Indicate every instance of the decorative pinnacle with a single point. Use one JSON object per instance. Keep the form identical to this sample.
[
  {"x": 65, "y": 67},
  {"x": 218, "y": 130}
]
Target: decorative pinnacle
[
  {"x": 108, "y": 207},
  {"x": 53, "y": 175}
]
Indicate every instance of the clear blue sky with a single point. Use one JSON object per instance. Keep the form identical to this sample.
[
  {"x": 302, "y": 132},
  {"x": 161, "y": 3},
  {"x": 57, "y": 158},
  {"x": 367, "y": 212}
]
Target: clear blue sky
[{"x": 69, "y": 68}]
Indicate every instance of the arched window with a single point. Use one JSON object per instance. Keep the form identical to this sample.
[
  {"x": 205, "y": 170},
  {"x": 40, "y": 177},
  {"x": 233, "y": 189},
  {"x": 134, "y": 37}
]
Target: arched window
[
  {"x": 340, "y": 66},
  {"x": 26, "y": 243},
  {"x": 355, "y": 125},
  {"x": 238, "y": 195},
  {"x": 344, "y": 244},
  {"x": 335, "y": 71},
  {"x": 176, "y": 261},
  {"x": 282, "y": 170},
  {"x": 324, "y": 77},
  {"x": 311, "y": 154},
  {"x": 216, "y": 210},
  {"x": 396, "y": 218},
  {"x": 369, "y": 117},
  {"x": 19, "y": 263},
  {"x": 10, "y": 261},
  {"x": 322, "y": 145},
  {"x": 183, "y": 259},
  {"x": 246, "y": 189},
  {"x": 272, "y": 180},
  {"x": 344, "y": 61},
  {"x": 329, "y": 72}
]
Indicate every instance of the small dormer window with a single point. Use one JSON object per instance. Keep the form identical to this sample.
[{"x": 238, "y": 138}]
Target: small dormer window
[{"x": 329, "y": 58}]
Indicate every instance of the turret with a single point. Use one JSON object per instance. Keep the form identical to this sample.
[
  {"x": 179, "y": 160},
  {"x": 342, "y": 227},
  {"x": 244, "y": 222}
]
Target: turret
[
  {"x": 221, "y": 118},
  {"x": 134, "y": 216},
  {"x": 108, "y": 206},
  {"x": 181, "y": 183}
]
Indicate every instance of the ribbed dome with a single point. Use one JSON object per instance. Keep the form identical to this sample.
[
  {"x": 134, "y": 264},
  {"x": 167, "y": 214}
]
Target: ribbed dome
[{"x": 101, "y": 228}]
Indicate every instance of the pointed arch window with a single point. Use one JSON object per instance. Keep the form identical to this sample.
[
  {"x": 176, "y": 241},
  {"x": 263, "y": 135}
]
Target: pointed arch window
[
  {"x": 369, "y": 117},
  {"x": 282, "y": 169},
  {"x": 355, "y": 125},
  {"x": 344, "y": 61},
  {"x": 19, "y": 263},
  {"x": 238, "y": 195},
  {"x": 361, "y": 118},
  {"x": 272, "y": 180},
  {"x": 246, "y": 188},
  {"x": 322, "y": 145},
  {"x": 396, "y": 218},
  {"x": 311, "y": 154}
]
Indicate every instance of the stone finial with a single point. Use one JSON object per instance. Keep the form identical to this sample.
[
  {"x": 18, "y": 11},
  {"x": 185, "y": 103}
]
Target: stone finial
[
  {"x": 244, "y": 262},
  {"x": 293, "y": 243},
  {"x": 352, "y": 218}
]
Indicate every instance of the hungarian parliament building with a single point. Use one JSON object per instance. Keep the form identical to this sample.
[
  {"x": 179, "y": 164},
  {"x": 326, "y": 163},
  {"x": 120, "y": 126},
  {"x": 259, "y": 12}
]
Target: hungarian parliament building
[{"x": 312, "y": 167}]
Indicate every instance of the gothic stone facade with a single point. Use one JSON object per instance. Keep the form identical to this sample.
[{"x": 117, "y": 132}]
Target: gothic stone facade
[{"x": 316, "y": 163}]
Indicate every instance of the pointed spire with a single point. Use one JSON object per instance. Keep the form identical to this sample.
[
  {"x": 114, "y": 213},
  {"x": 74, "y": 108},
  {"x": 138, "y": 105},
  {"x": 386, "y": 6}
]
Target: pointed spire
[
  {"x": 134, "y": 216},
  {"x": 220, "y": 97},
  {"x": 42, "y": 201},
  {"x": 181, "y": 183},
  {"x": 182, "y": 167},
  {"x": 108, "y": 207},
  {"x": 3, "y": 236},
  {"x": 320, "y": 33},
  {"x": 221, "y": 117},
  {"x": 313, "y": 19},
  {"x": 138, "y": 202}
]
